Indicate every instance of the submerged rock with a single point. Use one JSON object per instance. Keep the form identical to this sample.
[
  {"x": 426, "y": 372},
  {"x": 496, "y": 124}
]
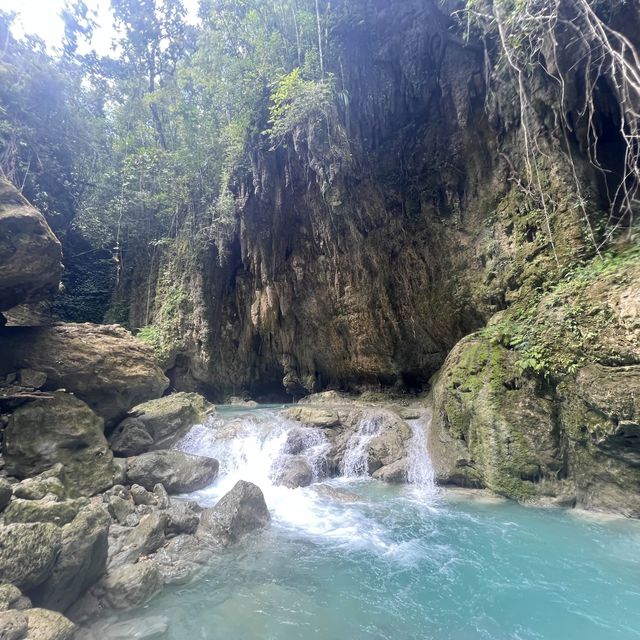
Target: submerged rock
[
  {"x": 238, "y": 512},
  {"x": 103, "y": 365},
  {"x": 158, "y": 424},
  {"x": 293, "y": 472},
  {"x": 30, "y": 254},
  {"x": 63, "y": 429},
  {"x": 177, "y": 471}
]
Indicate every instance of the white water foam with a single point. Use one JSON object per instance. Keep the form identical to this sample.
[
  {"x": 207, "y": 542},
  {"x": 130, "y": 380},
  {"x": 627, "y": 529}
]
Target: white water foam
[{"x": 253, "y": 446}]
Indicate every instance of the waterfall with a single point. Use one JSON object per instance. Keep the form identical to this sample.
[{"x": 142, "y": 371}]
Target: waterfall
[
  {"x": 420, "y": 471},
  {"x": 356, "y": 457}
]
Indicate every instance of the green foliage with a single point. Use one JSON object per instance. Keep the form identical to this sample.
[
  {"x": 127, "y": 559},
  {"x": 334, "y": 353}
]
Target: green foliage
[{"x": 296, "y": 101}]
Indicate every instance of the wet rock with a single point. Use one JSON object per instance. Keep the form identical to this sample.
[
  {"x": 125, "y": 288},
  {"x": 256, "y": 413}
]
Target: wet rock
[
  {"x": 140, "y": 628},
  {"x": 11, "y": 598},
  {"x": 63, "y": 430},
  {"x": 59, "y": 513},
  {"x": 13, "y": 625},
  {"x": 313, "y": 416},
  {"x": 177, "y": 471},
  {"x": 131, "y": 585},
  {"x": 81, "y": 562},
  {"x": 141, "y": 540},
  {"x": 48, "y": 625},
  {"x": 181, "y": 518},
  {"x": 293, "y": 472},
  {"x": 182, "y": 558},
  {"x": 238, "y": 512},
  {"x": 396, "y": 472},
  {"x": 341, "y": 495},
  {"x": 6, "y": 491},
  {"x": 30, "y": 254},
  {"x": 28, "y": 553},
  {"x": 103, "y": 365},
  {"x": 160, "y": 423}
]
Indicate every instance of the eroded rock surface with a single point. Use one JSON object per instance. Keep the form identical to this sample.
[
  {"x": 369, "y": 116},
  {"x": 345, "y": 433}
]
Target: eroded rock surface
[
  {"x": 103, "y": 365},
  {"x": 30, "y": 254}
]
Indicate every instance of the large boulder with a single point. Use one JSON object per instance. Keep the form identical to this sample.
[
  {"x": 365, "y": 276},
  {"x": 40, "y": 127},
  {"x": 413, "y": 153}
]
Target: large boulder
[
  {"x": 61, "y": 429},
  {"x": 238, "y": 512},
  {"x": 30, "y": 255},
  {"x": 104, "y": 365},
  {"x": 81, "y": 562},
  {"x": 177, "y": 471},
  {"x": 28, "y": 553},
  {"x": 158, "y": 424}
]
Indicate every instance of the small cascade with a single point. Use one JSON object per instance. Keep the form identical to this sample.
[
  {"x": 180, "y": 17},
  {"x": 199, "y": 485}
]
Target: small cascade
[
  {"x": 355, "y": 462},
  {"x": 420, "y": 471}
]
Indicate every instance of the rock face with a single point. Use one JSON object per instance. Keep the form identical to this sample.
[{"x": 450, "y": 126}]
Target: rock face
[
  {"x": 30, "y": 255},
  {"x": 571, "y": 436},
  {"x": 61, "y": 429},
  {"x": 238, "y": 512},
  {"x": 103, "y": 365},
  {"x": 178, "y": 472},
  {"x": 158, "y": 424}
]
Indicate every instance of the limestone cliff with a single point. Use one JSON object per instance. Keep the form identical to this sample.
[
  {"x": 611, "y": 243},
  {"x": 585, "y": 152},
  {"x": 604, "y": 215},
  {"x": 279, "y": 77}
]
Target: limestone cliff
[{"x": 365, "y": 248}]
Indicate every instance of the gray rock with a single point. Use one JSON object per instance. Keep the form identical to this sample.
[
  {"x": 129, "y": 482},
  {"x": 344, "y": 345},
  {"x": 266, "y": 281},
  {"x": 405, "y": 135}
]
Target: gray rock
[
  {"x": 177, "y": 471},
  {"x": 130, "y": 438},
  {"x": 11, "y": 598},
  {"x": 161, "y": 496},
  {"x": 81, "y": 562},
  {"x": 31, "y": 378},
  {"x": 45, "y": 510},
  {"x": 13, "y": 625},
  {"x": 133, "y": 543},
  {"x": 6, "y": 490},
  {"x": 141, "y": 496},
  {"x": 140, "y": 628},
  {"x": 131, "y": 585},
  {"x": 48, "y": 625},
  {"x": 294, "y": 471},
  {"x": 160, "y": 423},
  {"x": 238, "y": 512},
  {"x": 182, "y": 558},
  {"x": 120, "y": 509},
  {"x": 62, "y": 430},
  {"x": 396, "y": 472},
  {"x": 181, "y": 518},
  {"x": 28, "y": 553}
]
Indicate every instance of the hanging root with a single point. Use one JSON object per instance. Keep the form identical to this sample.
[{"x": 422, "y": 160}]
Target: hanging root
[{"x": 574, "y": 44}]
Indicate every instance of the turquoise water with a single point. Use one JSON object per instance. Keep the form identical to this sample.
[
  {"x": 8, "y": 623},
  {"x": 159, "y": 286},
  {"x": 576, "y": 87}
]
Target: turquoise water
[{"x": 361, "y": 560}]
